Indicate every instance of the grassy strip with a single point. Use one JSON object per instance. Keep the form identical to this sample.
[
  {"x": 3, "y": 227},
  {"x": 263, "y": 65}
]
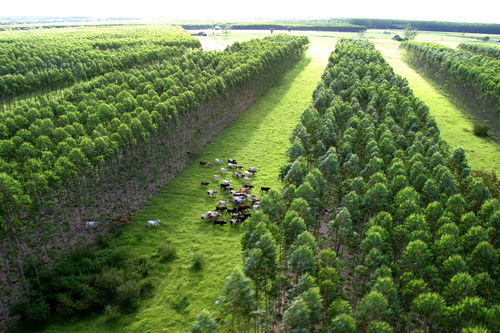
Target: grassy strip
[
  {"x": 258, "y": 138},
  {"x": 456, "y": 126}
]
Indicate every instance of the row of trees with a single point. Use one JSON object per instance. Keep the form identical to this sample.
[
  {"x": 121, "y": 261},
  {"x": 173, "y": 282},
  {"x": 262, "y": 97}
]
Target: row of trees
[
  {"x": 108, "y": 144},
  {"x": 485, "y": 28},
  {"x": 473, "y": 78},
  {"x": 42, "y": 60},
  {"x": 481, "y": 49},
  {"x": 379, "y": 228}
]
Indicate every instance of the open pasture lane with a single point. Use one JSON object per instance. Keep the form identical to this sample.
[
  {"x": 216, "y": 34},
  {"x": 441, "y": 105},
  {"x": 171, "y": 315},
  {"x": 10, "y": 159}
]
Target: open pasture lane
[
  {"x": 258, "y": 139},
  {"x": 454, "y": 124}
]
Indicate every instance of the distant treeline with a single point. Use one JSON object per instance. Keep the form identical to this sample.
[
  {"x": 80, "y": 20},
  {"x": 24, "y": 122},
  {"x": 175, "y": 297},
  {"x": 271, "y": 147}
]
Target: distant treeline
[
  {"x": 316, "y": 26},
  {"x": 485, "y": 28}
]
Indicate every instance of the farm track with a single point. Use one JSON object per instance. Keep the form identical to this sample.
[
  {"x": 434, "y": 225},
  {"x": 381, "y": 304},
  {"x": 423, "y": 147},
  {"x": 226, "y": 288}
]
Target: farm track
[{"x": 258, "y": 138}]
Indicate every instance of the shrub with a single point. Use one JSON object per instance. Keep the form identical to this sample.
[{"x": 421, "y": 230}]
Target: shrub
[
  {"x": 112, "y": 312},
  {"x": 38, "y": 310},
  {"x": 197, "y": 263},
  {"x": 127, "y": 294},
  {"x": 109, "y": 280},
  {"x": 166, "y": 252},
  {"x": 480, "y": 130}
]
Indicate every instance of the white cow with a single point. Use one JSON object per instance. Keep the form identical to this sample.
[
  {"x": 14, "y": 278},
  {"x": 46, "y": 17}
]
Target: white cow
[
  {"x": 239, "y": 200},
  {"x": 223, "y": 170},
  {"x": 154, "y": 223},
  {"x": 247, "y": 179},
  {"x": 91, "y": 224},
  {"x": 227, "y": 182},
  {"x": 211, "y": 192},
  {"x": 218, "y": 161},
  {"x": 252, "y": 169},
  {"x": 216, "y": 177}
]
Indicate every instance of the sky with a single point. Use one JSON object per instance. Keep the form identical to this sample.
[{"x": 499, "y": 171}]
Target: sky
[{"x": 481, "y": 11}]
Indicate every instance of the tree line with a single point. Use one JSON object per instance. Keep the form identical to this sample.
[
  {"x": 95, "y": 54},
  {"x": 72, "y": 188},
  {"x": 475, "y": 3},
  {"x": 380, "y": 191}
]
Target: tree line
[
  {"x": 475, "y": 79},
  {"x": 485, "y": 28},
  {"x": 481, "y": 49},
  {"x": 108, "y": 144},
  {"x": 380, "y": 227},
  {"x": 43, "y": 60}
]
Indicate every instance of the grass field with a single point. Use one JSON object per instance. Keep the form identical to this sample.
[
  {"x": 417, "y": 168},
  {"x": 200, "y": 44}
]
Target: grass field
[{"x": 258, "y": 138}]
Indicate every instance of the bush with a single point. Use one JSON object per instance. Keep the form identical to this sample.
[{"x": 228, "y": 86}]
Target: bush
[
  {"x": 146, "y": 286},
  {"x": 480, "y": 130},
  {"x": 38, "y": 310},
  {"x": 166, "y": 252},
  {"x": 127, "y": 294},
  {"x": 112, "y": 312},
  {"x": 197, "y": 263},
  {"x": 109, "y": 280}
]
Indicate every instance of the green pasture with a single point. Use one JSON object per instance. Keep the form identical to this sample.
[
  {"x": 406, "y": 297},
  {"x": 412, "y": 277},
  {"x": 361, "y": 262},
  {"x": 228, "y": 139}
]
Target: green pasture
[{"x": 258, "y": 138}]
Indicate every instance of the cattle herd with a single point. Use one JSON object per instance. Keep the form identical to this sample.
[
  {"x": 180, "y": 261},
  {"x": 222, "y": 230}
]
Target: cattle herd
[{"x": 237, "y": 200}]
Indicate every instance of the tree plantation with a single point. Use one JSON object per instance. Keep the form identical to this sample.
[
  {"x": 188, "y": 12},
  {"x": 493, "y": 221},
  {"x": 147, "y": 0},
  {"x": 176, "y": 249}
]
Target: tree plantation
[
  {"x": 379, "y": 227},
  {"x": 108, "y": 144},
  {"x": 42, "y": 60},
  {"x": 472, "y": 73},
  {"x": 114, "y": 140}
]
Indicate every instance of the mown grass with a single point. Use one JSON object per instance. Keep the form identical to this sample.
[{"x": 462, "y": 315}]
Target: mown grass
[
  {"x": 455, "y": 124},
  {"x": 258, "y": 138}
]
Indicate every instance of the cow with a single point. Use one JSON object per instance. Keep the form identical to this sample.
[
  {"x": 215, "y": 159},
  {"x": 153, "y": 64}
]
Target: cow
[
  {"x": 220, "y": 208},
  {"x": 223, "y": 202},
  {"x": 91, "y": 224},
  {"x": 243, "y": 207},
  {"x": 238, "y": 174},
  {"x": 232, "y": 210},
  {"x": 205, "y": 183},
  {"x": 219, "y": 222},
  {"x": 203, "y": 163},
  {"x": 234, "y": 222},
  {"x": 227, "y": 182},
  {"x": 238, "y": 200},
  {"x": 264, "y": 189},
  {"x": 233, "y": 161},
  {"x": 223, "y": 186},
  {"x": 212, "y": 193},
  {"x": 231, "y": 165},
  {"x": 209, "y": 164},
  {"x": 247, "y": 179},
  {"x": 121, "y": 220},
  {"x": 239, "y": 167},
  {"x": 223, "y": 170},
  {"x": 243, "y": 190},
  {"x": 154, "y": 223},
  {"x": 216, "y": 177},
  {"x": 248, "y": 173},
  {"x": 248, "y": 186},
  {"x": 218, "y": 161},
  {"x": 252, "y": 169},
  {"x": 255, "y": 206},
  {"x": 210, "y": 215}
]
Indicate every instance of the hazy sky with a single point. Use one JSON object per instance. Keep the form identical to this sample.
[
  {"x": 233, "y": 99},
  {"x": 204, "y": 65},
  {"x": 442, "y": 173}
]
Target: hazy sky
[{"x": 443, "y": 10}]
